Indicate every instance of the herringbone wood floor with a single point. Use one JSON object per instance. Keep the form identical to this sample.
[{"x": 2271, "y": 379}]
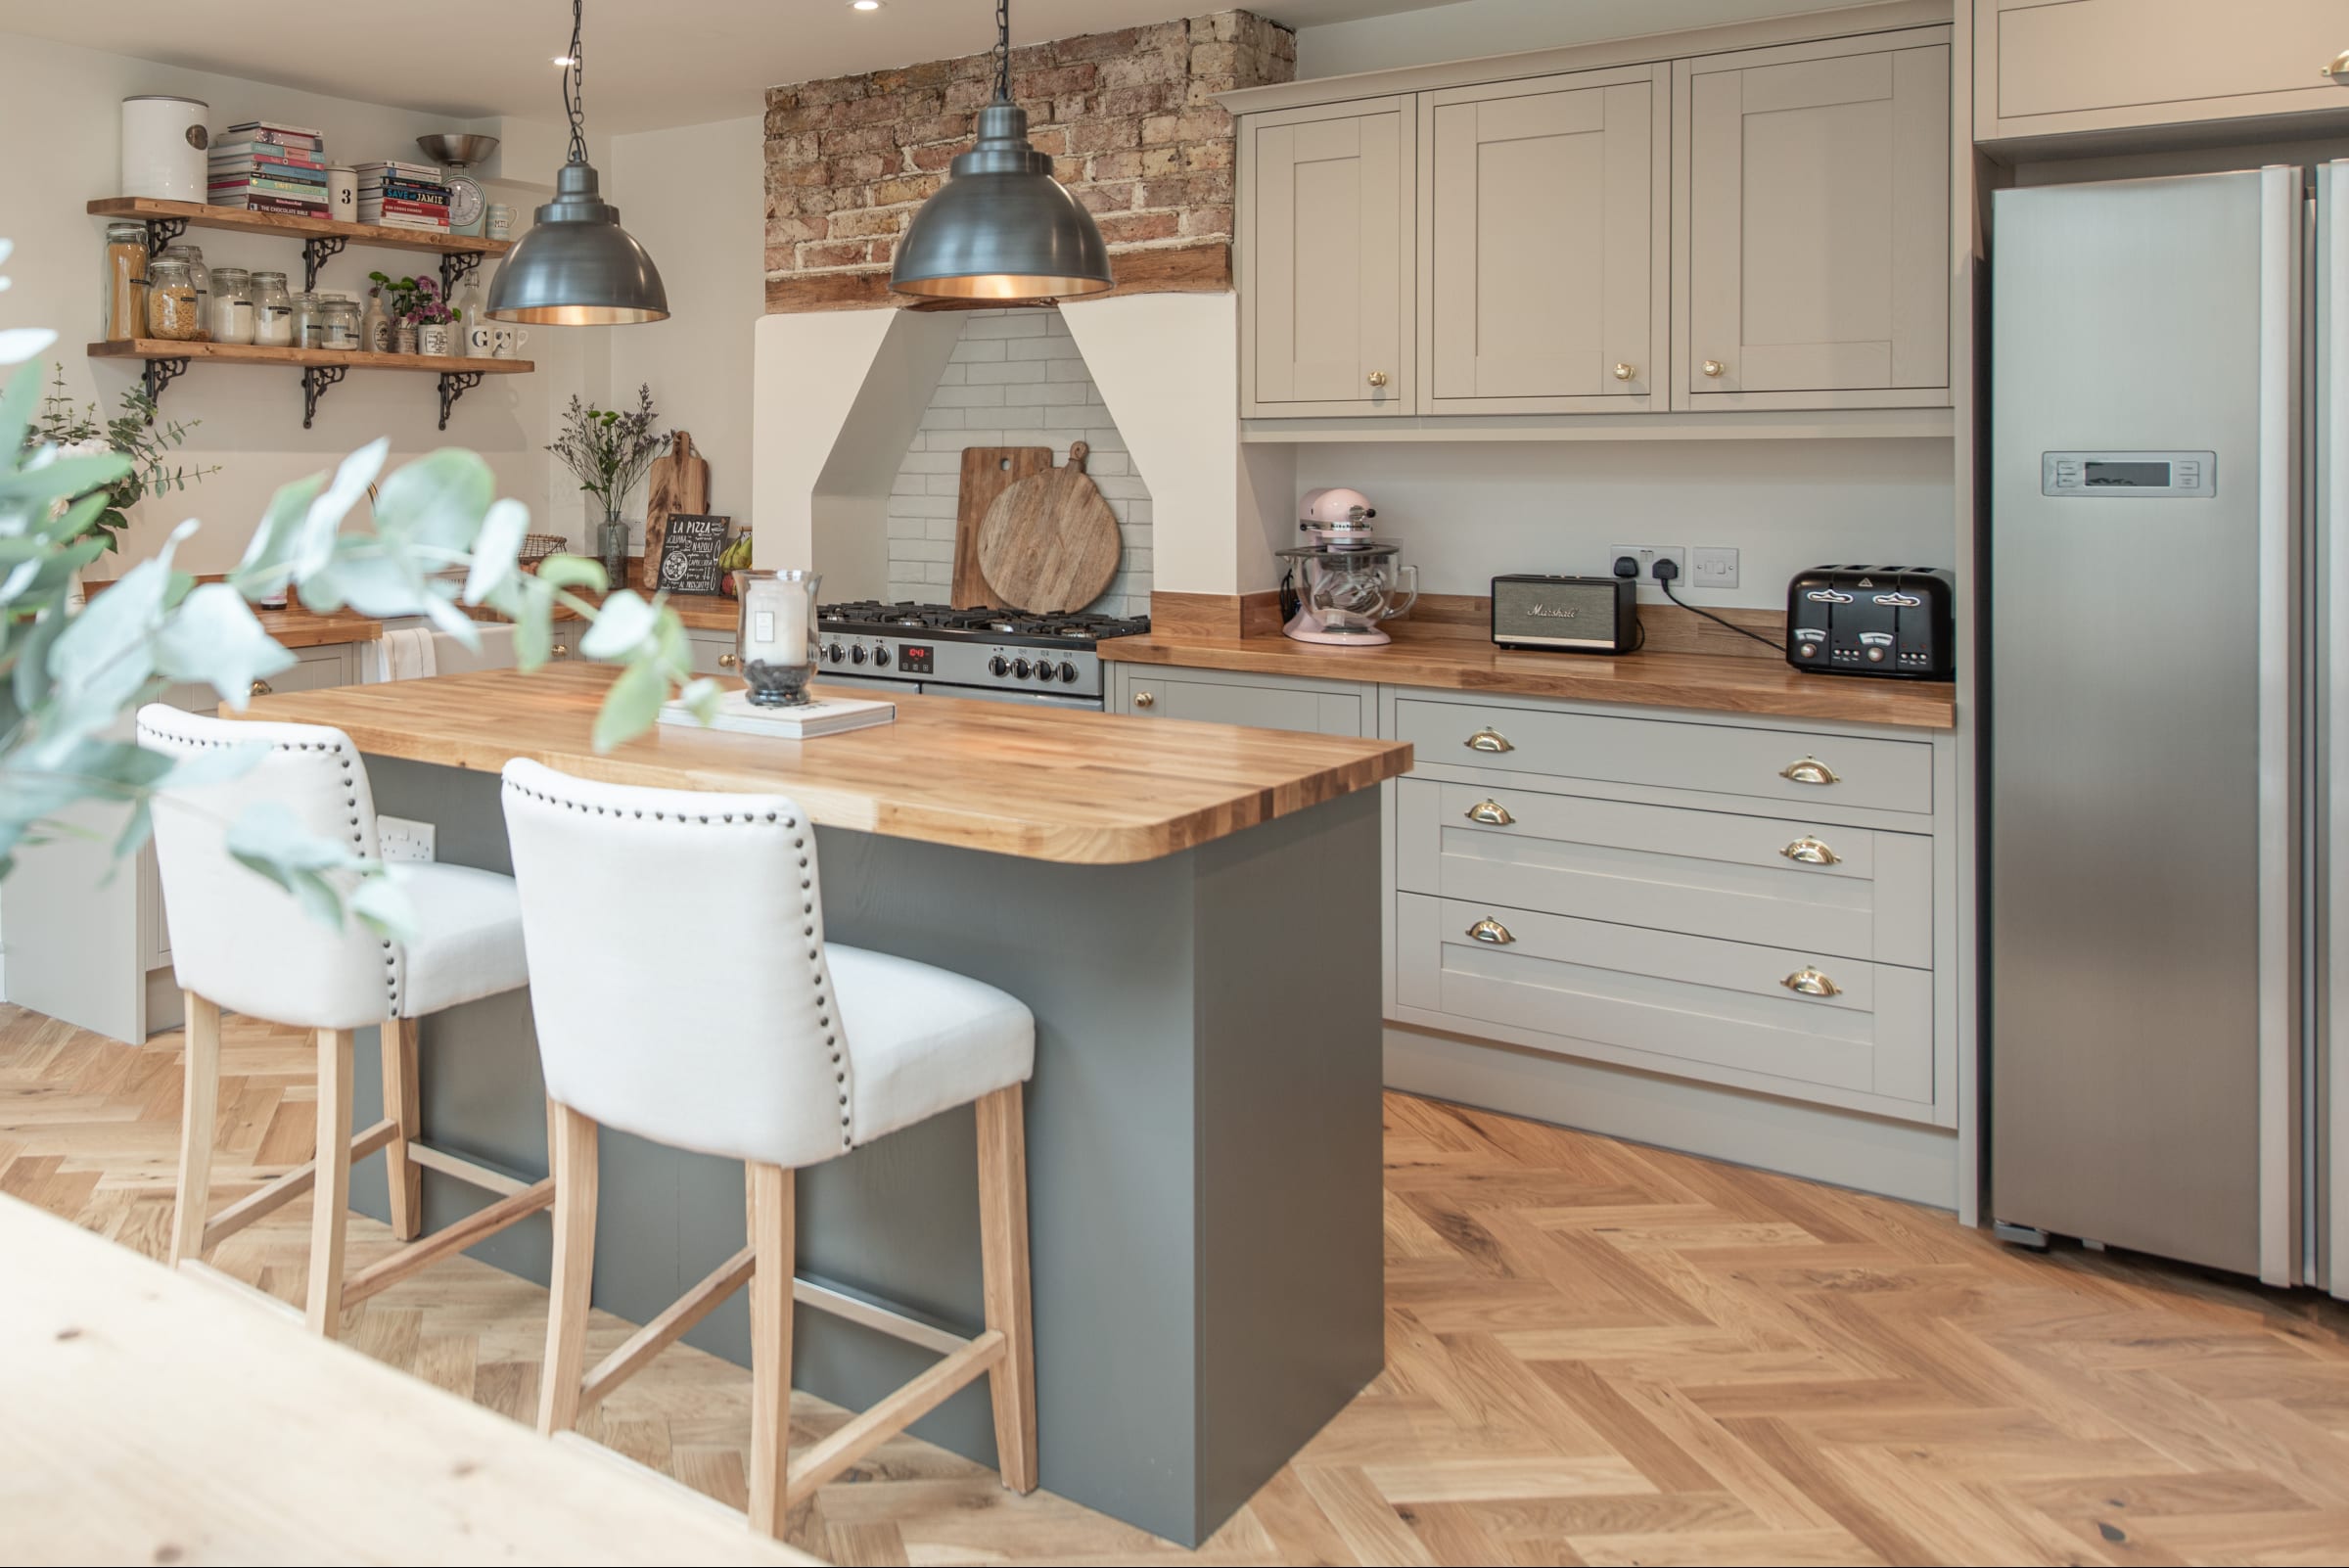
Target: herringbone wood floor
[{"x": 1596, "y": 1353}]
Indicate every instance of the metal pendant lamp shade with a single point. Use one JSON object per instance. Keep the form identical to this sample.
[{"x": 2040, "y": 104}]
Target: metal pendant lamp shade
[
  {"x": 1002, "y": 227},
  {"x": 577, "y": 267}
]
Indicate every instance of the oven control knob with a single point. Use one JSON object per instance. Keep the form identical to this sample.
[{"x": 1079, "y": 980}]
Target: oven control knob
[
  {"x": 1068, "y": 671},
  {"x": 856, "y": 654},
  {"x": 835, "y": 653},
  {"x": 1875, "y": 656},
  {"x": 998, "y": 667},
  {"x": 1044, "y": 670},
  {"x": 1019, "y": 669},
  {"x": 880, "y": 655}
]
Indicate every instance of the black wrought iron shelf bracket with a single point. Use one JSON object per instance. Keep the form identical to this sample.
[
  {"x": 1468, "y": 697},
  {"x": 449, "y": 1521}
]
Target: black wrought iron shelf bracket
[
  {"x": 455, "y": 384},
  {"x": 455, "y": 267},
  {"x": 316, "y": 379},
  {"x": 159, "y": 373},
  {"x": 162, "y": 231},
  {"x": 317, "y": 253}
]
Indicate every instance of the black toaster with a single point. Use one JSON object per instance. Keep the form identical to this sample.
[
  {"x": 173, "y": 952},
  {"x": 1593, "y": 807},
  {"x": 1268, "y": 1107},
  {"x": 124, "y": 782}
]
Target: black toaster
[{"x": 1873, "y": 620}]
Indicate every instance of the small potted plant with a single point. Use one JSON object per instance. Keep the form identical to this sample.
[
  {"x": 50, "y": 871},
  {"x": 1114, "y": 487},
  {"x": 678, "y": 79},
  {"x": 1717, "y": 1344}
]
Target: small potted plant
[{"x": 422, "y": 321}]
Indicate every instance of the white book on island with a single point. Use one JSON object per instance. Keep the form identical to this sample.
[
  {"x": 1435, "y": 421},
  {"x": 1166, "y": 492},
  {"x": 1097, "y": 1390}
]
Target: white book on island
[{"x": 827, "y": 715}]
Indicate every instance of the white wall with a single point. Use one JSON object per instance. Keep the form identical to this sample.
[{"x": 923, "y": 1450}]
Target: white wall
[
  {"x": 1474, "y": 27},
  {"x": 59, "y": 130},
  {"x": 1469, "y": 512},
  {"x": 696, "y": 197}
]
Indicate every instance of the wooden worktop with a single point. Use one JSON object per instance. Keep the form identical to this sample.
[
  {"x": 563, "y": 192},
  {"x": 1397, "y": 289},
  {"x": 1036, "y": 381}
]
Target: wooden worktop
[
  {"x": 296, "y": 627},
  {"x": 1452, "y": 650},
  {"x": 1045, "y": 784}
]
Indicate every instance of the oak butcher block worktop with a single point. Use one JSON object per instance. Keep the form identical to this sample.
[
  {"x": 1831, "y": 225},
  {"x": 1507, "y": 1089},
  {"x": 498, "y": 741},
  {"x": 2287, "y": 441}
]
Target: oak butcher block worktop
[
  {"x": 1045, "y": 784},
  {"x": 297, "y": 628},
  {"x": 1449, "y": 656}
]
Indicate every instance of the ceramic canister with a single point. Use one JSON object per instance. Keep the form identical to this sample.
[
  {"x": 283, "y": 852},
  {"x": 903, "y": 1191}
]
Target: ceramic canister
[
  {"x": 164, "y": 142},
  {"x": 342, "y": 193}
]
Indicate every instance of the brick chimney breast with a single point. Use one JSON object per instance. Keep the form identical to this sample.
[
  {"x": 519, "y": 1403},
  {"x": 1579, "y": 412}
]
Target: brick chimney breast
[{"x": 1129, "y": 119}]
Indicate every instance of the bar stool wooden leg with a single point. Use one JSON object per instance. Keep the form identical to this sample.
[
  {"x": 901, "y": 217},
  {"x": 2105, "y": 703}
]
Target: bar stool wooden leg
[
  {"x": 773, "y": 1247},
  {"x": 571, "y": 1154},
  {"x": 1003, "y": 1258},
  {"x": 198, "y": 1122},
  {"x": 400, "y": 1108},
  {"x": 330, "y": 1205}
]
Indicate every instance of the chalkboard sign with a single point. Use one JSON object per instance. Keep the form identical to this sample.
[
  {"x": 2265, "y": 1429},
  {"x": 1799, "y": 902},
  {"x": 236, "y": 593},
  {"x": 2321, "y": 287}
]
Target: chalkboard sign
[{"x": 689, "y": 552}]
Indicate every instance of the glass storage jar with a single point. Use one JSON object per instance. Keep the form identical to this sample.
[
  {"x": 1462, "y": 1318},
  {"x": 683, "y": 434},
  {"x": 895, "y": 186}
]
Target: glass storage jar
[
  {"x": 309, "y": 320},
  {"x": 200, "y": 278},
  {"x": 171, "y": 301},
  {"x": 338, "y": 317},
  {"x": 232, "y": 305},
  {"x": 272, "y": 311},
  {"x": 124, "y": 292}
]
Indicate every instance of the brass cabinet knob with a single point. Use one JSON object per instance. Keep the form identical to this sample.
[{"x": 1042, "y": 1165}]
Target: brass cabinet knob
[
  {"x": 1811, "y": 852},
  {"x": 1488, "y": 740},
  {"x": 1810, "y": 771},
  {"x": 1810, "y": 982},
  {"x": 1625, "y": 370},
  {"x": 262, "y": 688},
  {"x": 561, "y": 650},
  {"x": 2338, "y": 71},
  {"x": 1490, "y": 930},
  {"x": 1378, "y": 378},
  {"x": 1714, "y": 368},
  {"x": 1143, "y": 699},
  {"x": 1490, "y": 812},
  {"x": 729, "y": 661}
]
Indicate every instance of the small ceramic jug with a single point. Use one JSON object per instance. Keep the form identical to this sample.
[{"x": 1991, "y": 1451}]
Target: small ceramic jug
[{"x": 508, "y": 341}]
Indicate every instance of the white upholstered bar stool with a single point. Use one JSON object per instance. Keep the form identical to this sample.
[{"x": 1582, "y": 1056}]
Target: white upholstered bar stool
[
  {"x": 796, "y": 1053},
  {"x": 241, "y": 943}
]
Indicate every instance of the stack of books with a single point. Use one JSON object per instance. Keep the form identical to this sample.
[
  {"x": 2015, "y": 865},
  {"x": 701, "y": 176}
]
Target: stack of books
[
  {"x": 403, "y": 196},
  {"x": 263, "y": 167}
]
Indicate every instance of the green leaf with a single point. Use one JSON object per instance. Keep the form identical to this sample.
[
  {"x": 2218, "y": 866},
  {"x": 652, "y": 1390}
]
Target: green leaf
[
  {"x": 268, "y": 839},
  {"x": 495, "y": 548},
  {"x": 631, "y": 707},
  {"x": 702, "y": 696},
  {"x": 626, "y": 623},
  {"x": 269, "y": 558},
  {"x": 105, "y": 654},
  {"x": 572, "y": 571},
  {"x": 214, "y": 637},
  {"x": 438, "y": 501},
  {"x": 314, "y": 541},
  {"x": 383, "y": 905}
]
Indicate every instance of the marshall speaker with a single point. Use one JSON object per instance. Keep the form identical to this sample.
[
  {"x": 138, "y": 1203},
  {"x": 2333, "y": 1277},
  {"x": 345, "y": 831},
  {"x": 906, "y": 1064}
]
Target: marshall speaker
[{"x": 1573, "y": 615}]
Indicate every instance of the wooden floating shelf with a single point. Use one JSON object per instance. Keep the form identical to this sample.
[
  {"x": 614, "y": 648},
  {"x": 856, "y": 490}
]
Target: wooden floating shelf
[
  {"x": 246, "y": 354},
  {"x": 197, "y": 214}
]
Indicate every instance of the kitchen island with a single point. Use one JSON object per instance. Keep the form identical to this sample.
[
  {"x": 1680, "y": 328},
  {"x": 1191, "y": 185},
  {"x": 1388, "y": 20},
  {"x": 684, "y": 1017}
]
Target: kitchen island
[{"x": 1192, "y": 912}]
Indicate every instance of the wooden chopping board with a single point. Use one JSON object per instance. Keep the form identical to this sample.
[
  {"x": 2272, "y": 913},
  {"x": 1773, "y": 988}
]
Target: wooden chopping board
[
  {"x": 679, "y": 482},
  {"x": 1051, "y": 542},
  {"x": 987, "y": 473}
]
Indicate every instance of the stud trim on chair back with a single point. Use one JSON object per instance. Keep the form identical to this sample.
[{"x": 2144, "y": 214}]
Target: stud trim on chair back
[
  {"x": 237, "y": 939},
  {"x": 723, "y": 1038}
]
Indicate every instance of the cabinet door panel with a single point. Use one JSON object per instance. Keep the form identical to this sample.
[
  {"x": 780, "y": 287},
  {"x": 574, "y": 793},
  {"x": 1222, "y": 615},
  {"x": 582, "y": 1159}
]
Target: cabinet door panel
[
  {"x": 1817, "y": 235},
  {"x": 2091, "y": 65},
  {"x": 1326, "y": 293},
  {"x": 1542, "y": 241}
]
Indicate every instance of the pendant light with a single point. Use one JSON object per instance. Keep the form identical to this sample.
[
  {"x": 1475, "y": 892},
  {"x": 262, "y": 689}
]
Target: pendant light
[
  {"x": 1002, "y": 227},
  {"x": 577, "y": 267}
]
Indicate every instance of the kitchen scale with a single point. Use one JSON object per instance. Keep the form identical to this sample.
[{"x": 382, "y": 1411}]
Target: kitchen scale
[{"x": 457, "y": 152}]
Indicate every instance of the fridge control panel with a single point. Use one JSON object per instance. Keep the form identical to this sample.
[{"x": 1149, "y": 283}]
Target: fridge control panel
[{"x": 2159, "y": 475}]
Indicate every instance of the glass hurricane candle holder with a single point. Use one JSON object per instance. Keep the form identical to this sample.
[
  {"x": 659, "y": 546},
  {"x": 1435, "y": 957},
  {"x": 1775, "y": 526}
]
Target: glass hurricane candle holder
[{"x": 774, "y": 637}]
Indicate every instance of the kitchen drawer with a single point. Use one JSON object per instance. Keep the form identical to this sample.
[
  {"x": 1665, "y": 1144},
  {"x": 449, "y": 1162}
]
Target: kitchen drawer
[
  {"x": 1318, "y": 707},
  {"x": 713, "y": 652},
  {"x": 1769, "y": 764},
  {"x": 1692, "y": 1006},
  {"x": 1845, "y": 891}
]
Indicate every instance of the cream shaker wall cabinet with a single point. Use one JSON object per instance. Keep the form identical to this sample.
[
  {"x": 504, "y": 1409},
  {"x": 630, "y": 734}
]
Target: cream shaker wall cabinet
[
  {"x": 1811, "y": 256},
  {"x": 1324, "y": 260},
  {"x": 1543, "y": 231},
  {"x": 2088, "y": 66}
]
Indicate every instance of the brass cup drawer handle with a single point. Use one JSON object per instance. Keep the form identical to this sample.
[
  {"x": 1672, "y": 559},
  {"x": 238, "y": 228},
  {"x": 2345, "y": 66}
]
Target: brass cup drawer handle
[
  {"x": 1810, "y": 982},
  {"x": 729, "y": 661},
  {"x": 561, "y": 650},
  {"x": 1488, "y": 740},
  {"x": 2338, "y": 71},
  {"x": 1810, "y": 771},
  {"x": 262, "y": 688},
  {"x": 1490, "y": 930},
  {"x": 1490, "y": 812},
  {"x": 1811, "y": 852}
]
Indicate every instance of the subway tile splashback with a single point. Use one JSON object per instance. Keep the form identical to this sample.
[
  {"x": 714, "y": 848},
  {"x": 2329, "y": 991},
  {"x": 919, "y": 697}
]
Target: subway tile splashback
[{"x": 1017, "y": 379}]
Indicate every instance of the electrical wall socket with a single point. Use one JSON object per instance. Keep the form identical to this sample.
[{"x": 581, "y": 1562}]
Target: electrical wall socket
[
  {"x": 1712, "y": 566},
  {"x": 1648, "y": 555},
  {"x": 399, "y": 838}
]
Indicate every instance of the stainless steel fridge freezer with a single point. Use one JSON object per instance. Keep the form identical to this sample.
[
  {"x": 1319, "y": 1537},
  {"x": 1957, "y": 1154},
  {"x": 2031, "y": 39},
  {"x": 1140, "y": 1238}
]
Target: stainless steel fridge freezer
[{"x": 2166, "y": 428}]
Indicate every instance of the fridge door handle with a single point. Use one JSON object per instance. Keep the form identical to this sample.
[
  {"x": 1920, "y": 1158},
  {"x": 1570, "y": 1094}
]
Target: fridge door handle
[{"x": 2281, "y": 328}]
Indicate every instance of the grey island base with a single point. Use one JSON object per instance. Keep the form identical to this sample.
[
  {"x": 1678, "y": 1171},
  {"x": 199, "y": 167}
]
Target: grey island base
[{"x": 1202, "y": 1142}]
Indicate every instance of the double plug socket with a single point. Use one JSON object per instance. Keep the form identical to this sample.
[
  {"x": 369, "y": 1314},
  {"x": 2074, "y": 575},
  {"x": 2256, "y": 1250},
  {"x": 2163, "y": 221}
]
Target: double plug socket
[{"x": 1707, "y": 566}]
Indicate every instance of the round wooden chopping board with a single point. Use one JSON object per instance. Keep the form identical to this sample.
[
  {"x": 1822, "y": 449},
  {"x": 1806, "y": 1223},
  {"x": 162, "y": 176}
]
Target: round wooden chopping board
[{"x": 1051, "y": 542}]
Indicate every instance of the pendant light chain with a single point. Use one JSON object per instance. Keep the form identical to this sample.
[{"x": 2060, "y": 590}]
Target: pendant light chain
[
  {"x": 1003, "y": 51},
  {"x": 575, "y": 85}
]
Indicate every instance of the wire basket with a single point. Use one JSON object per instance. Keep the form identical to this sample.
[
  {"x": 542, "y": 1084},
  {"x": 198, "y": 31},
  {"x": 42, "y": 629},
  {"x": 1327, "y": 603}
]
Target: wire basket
[{"x": 537, "y": 547}]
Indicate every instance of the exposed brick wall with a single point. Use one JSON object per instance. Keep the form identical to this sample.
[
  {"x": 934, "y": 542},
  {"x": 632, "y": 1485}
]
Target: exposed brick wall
[{"x": 1129, "y": 119}]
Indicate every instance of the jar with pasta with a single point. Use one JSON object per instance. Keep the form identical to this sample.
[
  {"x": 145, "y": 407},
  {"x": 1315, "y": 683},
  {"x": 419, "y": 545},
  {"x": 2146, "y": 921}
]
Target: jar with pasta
[
  {"x": 232, "y": 304},
  {"x": 124, "y": 291},
  {"x": 272, "y": 311},
  {"x": 171, "y": 312}
]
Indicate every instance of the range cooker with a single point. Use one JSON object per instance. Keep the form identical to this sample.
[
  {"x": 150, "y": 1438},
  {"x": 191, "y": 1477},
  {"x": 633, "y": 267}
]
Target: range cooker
[{"x": 1004, "y": 656}]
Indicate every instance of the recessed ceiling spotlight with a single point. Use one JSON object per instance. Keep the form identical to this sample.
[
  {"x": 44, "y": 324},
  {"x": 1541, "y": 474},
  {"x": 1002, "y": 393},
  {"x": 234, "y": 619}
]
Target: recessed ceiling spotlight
[
  {"x": 864, "y": 5},
  {"x": 565, "y": 62}
]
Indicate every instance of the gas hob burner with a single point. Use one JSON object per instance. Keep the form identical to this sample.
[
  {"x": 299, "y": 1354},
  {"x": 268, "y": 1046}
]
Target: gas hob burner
[{"x": 979, "y": 623}]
